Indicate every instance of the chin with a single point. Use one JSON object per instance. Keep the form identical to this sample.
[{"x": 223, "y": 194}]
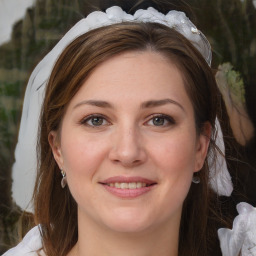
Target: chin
[
  {"x": 127, "y": 227},
  {"x": 128, "y": 222}
]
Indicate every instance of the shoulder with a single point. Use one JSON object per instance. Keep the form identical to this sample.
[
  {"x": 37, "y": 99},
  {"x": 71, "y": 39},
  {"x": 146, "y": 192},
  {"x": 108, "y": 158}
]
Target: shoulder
[
  {"x": 31, "y": 245},
  {"x": 242, "y": 237}
]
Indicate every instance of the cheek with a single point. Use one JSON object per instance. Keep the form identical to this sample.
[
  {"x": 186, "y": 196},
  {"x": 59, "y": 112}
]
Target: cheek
[
  {"x": 175, "y": 160},
  {"x": 82, "y": 158},
  {"x": 82, "y": 155},
  {"x": 175, "y": 154}
]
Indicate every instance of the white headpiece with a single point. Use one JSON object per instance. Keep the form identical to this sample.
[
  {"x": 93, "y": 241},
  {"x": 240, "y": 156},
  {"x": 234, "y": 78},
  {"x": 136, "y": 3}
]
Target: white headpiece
[{"x": 24, "y": 168}]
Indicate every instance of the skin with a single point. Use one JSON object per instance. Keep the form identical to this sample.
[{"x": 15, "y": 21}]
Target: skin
[{"x": 130, "y": 141}]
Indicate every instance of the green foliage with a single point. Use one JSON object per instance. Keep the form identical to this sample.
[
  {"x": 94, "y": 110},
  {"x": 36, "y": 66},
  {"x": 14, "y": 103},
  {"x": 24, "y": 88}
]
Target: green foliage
[
  {"x": 10, "y": 89},
  {"x": 49, "y": 23}
]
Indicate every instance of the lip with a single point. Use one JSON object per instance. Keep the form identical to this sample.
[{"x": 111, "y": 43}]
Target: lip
[
  {"x": 125, "y": 179},
  {"x": 128, "y": 193}
]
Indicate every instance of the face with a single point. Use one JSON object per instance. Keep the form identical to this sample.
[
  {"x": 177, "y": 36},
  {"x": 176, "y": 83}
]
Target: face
[{"x": 128, "y": 144}]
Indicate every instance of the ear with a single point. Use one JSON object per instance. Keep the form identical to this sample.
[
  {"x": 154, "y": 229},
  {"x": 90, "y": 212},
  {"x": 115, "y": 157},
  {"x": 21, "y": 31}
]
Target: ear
[
  {"x": 56, "y": 149},
  {"x": 202, "y": 146}
]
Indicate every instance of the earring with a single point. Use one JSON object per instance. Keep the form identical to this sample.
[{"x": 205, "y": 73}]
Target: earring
[
  {"x": 196, "y": 179},
  {"x": 64, "y": 179}
]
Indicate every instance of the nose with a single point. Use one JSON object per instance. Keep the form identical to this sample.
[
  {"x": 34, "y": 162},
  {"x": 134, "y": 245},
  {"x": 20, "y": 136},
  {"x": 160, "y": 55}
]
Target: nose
[{"x": 128, "y": 149}]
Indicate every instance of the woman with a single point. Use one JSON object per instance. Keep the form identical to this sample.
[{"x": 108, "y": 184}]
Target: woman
[{"x": 127, "y": 125}]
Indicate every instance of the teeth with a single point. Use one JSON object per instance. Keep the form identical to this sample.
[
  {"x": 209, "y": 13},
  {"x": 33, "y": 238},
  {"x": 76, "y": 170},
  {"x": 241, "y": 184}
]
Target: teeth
[
  {"x": 130, "y": 185},
  {"x": 124, "y": 185},
  {"x": 139, "y": 185}
]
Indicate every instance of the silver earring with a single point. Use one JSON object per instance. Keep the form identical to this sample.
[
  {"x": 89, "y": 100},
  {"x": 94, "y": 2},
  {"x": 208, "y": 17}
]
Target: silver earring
[
  {"x": 196, "y": 179},
  {"x": 64, "y": 179}
]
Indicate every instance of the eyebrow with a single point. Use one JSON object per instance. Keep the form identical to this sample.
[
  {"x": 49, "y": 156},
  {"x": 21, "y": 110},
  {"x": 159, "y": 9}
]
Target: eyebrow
[
  {"x": 97, "y": 103},
  {"x": 157, "y": 103},
  {"x": 146, "y": 104}
]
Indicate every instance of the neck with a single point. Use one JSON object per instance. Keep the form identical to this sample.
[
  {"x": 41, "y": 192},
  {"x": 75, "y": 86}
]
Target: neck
[{"x": 93, "y": 240}]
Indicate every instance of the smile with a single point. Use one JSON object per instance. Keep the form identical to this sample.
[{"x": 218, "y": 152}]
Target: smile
[{"x": 128, "y": 185}]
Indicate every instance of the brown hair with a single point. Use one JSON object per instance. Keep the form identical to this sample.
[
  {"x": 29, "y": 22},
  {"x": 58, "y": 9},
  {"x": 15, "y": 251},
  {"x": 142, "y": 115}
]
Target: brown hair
[{"x": 55, "y": 209}]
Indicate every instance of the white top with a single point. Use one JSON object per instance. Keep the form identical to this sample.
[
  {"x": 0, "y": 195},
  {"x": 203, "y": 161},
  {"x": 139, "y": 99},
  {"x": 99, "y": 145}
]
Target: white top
[
  {"x": 242, "y": 237},
  {"x": 30, "y": 245}
]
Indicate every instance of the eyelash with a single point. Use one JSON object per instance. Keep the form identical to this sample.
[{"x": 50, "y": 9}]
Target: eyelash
[{"x": 169, "y": 119}]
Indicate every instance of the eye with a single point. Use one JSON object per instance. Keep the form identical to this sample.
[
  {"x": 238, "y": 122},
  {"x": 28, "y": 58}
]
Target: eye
[
  {"x": 161, "y": 120},
  {"x": 95, "y": 121}
]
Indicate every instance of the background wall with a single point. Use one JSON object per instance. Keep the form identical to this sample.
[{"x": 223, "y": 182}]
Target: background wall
[{"x": 230, "y": 26}]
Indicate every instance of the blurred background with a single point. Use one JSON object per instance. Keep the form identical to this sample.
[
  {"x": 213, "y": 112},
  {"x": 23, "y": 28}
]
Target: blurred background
[{"x": 30, "y": 28}]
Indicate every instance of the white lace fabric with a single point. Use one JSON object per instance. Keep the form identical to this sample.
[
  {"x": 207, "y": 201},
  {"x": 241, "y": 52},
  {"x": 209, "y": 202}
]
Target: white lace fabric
[
  {"x": 241, "y": 240},
  {"x": 219, "y": 177}
]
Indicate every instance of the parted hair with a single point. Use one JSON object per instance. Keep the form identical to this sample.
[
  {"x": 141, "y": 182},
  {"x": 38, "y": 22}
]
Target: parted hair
[{"x": 55, "y": 208}]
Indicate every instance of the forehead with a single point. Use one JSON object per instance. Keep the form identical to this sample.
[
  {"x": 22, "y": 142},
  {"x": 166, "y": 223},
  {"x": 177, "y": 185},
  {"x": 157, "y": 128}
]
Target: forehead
[{"x": 134, "y": 75}]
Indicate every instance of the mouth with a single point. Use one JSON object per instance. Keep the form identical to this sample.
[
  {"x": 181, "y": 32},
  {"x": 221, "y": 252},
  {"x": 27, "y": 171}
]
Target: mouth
[{"x": 128, "y": 187}]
